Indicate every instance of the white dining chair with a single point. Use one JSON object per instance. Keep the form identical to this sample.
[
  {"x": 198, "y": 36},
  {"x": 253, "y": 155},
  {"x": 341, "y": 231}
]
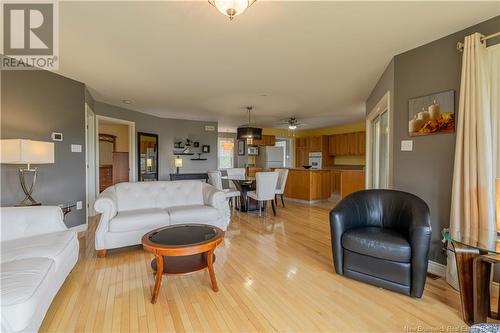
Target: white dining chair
[
  {"x": 235, "y": 173},
  {"x": 215, "y": 179},
  {"x": 280, "y": 187},
  {"x": 265, "y": 189}
]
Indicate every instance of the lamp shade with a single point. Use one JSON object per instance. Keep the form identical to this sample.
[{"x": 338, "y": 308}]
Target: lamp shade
[
  {"x": 20, "y": 151},
  {"x": 149, "y": 162},
  {"x": 178, "y": 162},
  {"x": 249, "y": 133}
]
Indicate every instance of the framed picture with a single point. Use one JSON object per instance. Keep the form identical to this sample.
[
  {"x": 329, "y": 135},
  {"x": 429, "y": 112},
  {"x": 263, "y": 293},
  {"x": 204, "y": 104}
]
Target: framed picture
[
  {"x": 241, "y": 147},
  {"x": 205, "y": 149},
  {"x": 432, "y": 114}
]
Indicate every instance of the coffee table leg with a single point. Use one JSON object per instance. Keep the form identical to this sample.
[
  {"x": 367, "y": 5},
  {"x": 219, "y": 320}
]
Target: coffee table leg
[
  {"x": 211, "y": 272},
  {"x": 159, "y": 275}
]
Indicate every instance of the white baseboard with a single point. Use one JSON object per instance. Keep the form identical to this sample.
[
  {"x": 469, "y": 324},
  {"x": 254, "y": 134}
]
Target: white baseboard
[
  {"x": 436, "y": 269},
  {"x": 79, "y": 228}
]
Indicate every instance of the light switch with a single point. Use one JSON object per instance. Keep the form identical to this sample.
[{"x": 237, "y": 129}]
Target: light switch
[
  {"x": 406, "y": 145},
  {"x": 79, "y": 205},
  {"x": 76, "y": 148}
]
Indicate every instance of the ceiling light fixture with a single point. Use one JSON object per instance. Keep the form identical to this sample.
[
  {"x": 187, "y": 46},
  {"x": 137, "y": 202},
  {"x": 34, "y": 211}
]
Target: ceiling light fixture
[
  {"x": 292, "y": 127},
  {"x": 248, "y": 132},
  {"x": 231, "y": 8}
]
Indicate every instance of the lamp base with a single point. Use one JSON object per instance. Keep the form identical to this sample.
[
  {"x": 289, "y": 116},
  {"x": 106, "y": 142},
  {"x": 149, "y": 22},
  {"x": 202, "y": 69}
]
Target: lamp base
[{"x": 28, "y": 199}]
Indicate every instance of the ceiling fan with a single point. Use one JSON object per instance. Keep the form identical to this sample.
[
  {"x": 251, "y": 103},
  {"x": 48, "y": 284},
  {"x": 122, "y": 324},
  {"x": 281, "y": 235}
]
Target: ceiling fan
[{"x": 292, "y": 123}]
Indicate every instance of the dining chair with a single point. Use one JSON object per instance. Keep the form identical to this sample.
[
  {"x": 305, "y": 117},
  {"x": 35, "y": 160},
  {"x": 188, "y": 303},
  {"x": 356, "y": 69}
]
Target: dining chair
[
  {"x": 265, "y": 189},
  {"x": 235, "y": 173},
  {"x": 215, "y": 179},
  {"x": 280, "y": 187}
]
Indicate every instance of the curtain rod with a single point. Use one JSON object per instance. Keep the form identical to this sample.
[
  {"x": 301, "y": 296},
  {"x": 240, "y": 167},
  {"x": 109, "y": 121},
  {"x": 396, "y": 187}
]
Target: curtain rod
[{"x": 460, "y": 45}]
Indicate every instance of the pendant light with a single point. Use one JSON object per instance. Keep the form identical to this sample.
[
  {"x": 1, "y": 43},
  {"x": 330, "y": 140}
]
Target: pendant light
[
  {"x": 231, "y": 8},
  {"x": 248, "y": 132}
]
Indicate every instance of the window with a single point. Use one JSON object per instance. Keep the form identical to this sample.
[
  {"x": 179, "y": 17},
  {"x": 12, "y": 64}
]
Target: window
[{"x": 226, "y": 153}]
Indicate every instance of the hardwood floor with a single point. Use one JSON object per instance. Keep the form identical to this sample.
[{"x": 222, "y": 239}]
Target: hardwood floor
[{"x": 274, "y": 274}]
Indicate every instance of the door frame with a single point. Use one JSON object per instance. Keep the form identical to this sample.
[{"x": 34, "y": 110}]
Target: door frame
[
  {"x": 383, "y": 105},
  {"x": 90, "y": 150},
  {"x": 132, "y": 176}
]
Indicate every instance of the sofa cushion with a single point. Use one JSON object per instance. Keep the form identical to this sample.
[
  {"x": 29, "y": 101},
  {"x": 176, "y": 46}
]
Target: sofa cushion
[
  {"x": 52, "y": 246},
  {"x": 162, "y": 194},
  {"x": 192, "y": 214},
  {"x": 24, "y": 283},
  {"x": 139, "y": 219},
  {"x": 377, "y": 242}
]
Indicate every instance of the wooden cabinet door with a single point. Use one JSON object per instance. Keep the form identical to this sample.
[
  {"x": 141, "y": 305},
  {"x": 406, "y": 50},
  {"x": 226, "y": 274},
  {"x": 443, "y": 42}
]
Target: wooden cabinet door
[
  {"x": 336, "y": 181},
  {"x": 301, "y": 157},
  {"x": 352, "y": 144},
  {"x": 361, "y": 138},
  {"x": 344, "y": 144},
  {"x": 314, "y": 143},
  {"x": 331, "y": 145},
  {"x": 300, "y": 142},
  {"x": 270, "y": 140}
]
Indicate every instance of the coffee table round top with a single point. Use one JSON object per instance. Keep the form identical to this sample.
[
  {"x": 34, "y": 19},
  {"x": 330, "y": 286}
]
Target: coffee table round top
[{"x": 182, "y": 239}]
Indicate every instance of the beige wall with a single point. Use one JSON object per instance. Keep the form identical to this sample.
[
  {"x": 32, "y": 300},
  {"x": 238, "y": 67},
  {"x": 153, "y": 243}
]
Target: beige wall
[{"x": 121, "y": 133}]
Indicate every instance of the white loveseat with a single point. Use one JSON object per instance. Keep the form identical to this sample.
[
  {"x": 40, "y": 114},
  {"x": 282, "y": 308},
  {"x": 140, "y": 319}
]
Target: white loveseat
[
  {"x": 38, "y": 253},
  {"x": 130, "y": 210}
]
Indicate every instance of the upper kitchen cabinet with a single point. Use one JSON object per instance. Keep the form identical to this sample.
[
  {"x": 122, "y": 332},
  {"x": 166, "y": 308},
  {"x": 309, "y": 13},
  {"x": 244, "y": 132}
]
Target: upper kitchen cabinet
[
  {"x": 267, "y": 140},
  {"x": 315, "y": 143},
  {"x": 347, "y": 144}
]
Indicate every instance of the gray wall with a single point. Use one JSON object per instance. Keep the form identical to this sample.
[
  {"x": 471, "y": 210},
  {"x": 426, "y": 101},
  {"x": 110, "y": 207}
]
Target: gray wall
[
  {"x": 34, "y": 104},
  {"x": 169, "y": 130},
  {"x": 427, "y": 171}
]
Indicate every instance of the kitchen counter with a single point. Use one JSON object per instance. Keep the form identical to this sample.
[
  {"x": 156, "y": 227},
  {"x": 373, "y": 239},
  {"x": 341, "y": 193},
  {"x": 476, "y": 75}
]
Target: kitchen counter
[
  {"x": 320, "y": 184},
  {"x": 308, "y": 184}
]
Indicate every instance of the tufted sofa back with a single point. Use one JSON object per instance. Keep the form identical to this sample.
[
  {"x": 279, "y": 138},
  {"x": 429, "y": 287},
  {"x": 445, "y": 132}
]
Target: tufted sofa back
[{"x": 161, "y": 194}]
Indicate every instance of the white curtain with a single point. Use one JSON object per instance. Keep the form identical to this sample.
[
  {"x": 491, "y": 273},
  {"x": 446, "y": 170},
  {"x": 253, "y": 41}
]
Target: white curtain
[{"x": 476, "y": 149}]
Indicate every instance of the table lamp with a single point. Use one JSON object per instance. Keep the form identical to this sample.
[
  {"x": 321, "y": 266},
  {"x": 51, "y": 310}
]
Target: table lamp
[
  {"x": 178, "y": 163},
  {"x": 20, "y": 151}
]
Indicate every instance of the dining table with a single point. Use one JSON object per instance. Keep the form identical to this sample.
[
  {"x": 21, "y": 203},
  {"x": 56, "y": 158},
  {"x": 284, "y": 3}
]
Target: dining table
[{"x": 244, "y": 184}]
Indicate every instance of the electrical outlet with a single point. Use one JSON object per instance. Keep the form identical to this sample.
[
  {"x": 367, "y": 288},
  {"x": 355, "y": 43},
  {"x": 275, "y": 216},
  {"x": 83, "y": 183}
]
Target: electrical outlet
[
  {"x": 79, "y": 205},
  {"x": 406, "y": 145}
]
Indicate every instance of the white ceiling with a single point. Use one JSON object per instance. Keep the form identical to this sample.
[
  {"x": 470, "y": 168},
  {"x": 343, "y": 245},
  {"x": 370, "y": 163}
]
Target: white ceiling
[{"x": 317, "y": 61}]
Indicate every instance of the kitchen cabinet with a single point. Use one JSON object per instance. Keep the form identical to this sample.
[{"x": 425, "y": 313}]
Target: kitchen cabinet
[
  {"x": 336, "y": 181},
  {"x": 266, "y": 140},
  {"x": 315, "y": 143},
  {"x": 301, "y": 142},
  {"x": 347, "y": 144},
  {"x": 361, "y": 138},
  {"x": 301, "y": 156},
  {"x": 251, "y": 171}
]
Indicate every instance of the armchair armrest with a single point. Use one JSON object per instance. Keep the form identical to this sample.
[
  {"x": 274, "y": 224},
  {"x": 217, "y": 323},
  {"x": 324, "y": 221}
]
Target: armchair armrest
[
  {"x": 217, "y": 199},
  {"x": 20, "y": 222},
  {"x": 106, "y": 204},
  {"x": 346, "y": 215},
  {"x": 419, "y": 237}
]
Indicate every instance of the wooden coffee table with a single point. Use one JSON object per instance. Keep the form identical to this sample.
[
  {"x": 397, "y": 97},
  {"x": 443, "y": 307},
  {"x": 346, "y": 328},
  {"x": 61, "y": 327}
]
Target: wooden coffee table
[{"x": 182, "y": 249}]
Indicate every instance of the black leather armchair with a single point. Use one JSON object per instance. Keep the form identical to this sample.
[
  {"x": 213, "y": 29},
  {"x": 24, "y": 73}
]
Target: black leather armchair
[{"x": 382, "y": 237}]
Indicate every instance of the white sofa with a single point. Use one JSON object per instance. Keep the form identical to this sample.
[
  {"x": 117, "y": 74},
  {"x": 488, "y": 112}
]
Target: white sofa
[
  {"x": 38, "y": 253},
  {"x": 130, "y": 210}
]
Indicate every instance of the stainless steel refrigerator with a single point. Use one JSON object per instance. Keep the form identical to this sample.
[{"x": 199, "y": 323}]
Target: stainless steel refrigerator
[{"x": 270, "y": 157}]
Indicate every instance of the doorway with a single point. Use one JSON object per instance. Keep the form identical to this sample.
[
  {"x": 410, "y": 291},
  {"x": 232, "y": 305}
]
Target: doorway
[
  {"x": 115, "y": 152},
  {"x": 286, "y": 143},
  {"x": 379, "y": 153},
  {"x": 90, "y": 170}
]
